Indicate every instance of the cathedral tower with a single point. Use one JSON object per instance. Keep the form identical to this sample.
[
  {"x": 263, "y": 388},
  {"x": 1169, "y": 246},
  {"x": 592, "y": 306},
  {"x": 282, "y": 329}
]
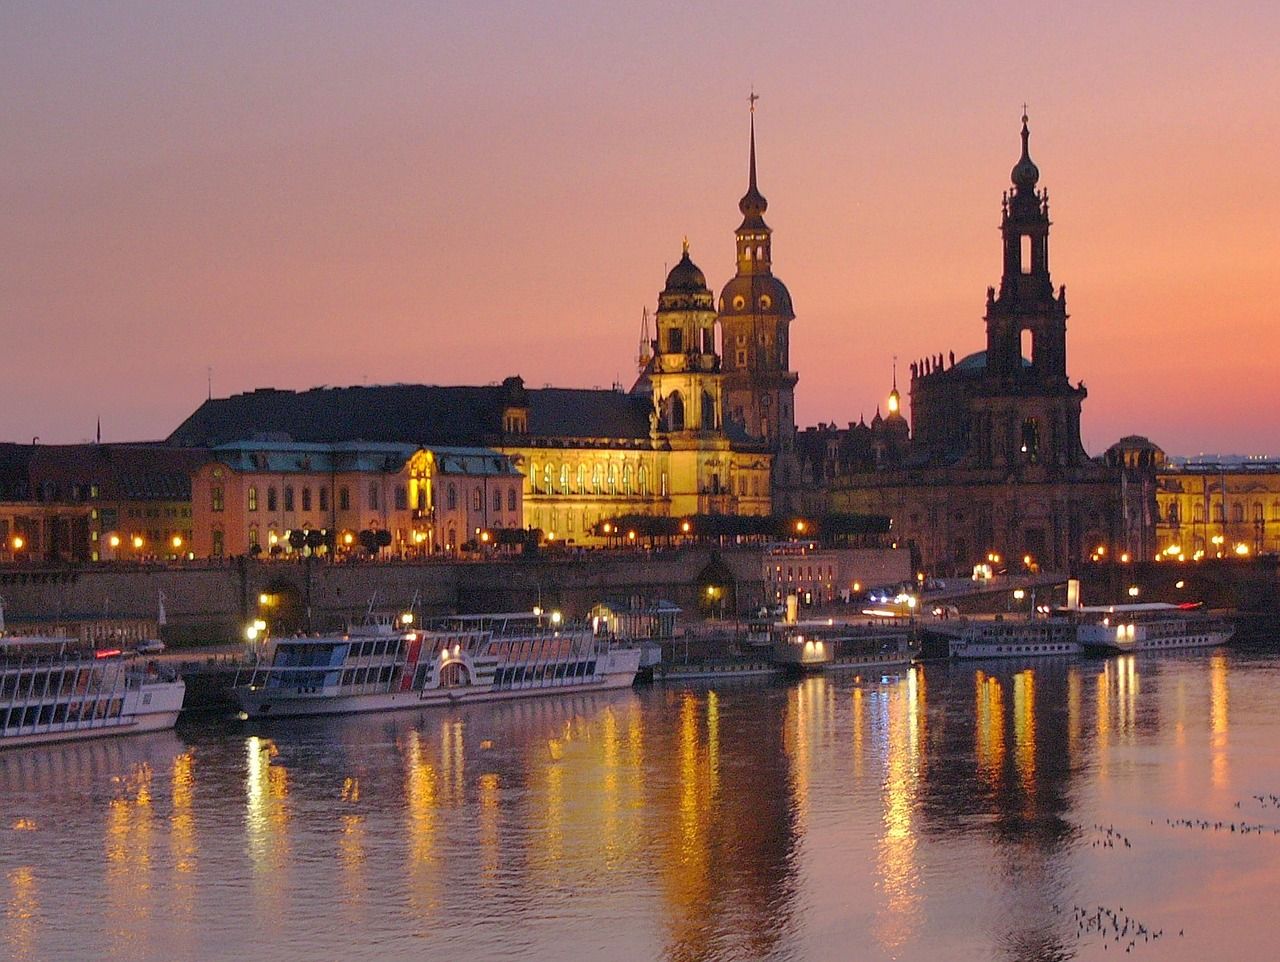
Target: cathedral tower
[{"x": 755, "y": 314}]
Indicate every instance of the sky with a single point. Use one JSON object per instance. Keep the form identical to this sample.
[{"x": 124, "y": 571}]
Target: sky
[{"x": 297, "y": 194}]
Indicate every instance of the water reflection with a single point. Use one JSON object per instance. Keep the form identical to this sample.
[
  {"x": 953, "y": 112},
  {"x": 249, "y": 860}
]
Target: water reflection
[{"x": 940, "y": 814}]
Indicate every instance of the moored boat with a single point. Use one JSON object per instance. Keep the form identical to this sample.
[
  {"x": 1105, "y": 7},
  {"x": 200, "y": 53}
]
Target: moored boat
[
  {"x": 56, "y": 690},
  {"x": 1016, "y": 638},
  {"x": 832, "y": 646},
  {"x": 1152, "y": 626},
  {"x": 462, "y": 659}
]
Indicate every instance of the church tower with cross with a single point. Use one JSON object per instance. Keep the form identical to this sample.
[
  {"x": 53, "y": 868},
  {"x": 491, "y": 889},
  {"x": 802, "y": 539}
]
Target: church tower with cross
[{"x": 755, "y": 316}]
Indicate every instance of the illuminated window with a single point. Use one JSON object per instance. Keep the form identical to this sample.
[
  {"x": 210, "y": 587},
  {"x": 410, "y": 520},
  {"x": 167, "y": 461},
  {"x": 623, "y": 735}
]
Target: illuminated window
[
  {"x": 595, "y": 478},
  {"x": 582, "y": 478},
  {"x": 497, "y": 499},
  {"x": 477, "y": 500},
  {"x": 1237, "y": 512},
  {"x": 533, "y": 476},
  {"x": 564, "y": 478},
  {"x": 1026, "y": 253},
  {"x": 253, "y": 536},
  {"x": 546, "y": 479},
  {"x": 626, "y": 479},
  {"x": 253, "y": 498},
  {"x": 1197, "y": 512},
  {"x": 613, "y": 479},
  {"x": 642, "y": 481},
  {"x": 511, "y": 499}
]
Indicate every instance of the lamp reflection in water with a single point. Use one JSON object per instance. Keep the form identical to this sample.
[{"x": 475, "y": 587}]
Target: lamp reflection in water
[
  {"x": 20, "y": 913},
  {"x": 421, "y": 790},
  {"x": 180, "y": 897},
  {"x": 1218, "y": 713},
  {"x": 266, "y": 824},
  {"x": 895, "y": 857},
  {"x": 351, "y": 849},
  {"x": 989, "y": 729},
  {"x": 128, "y": 853},
  {"x": 1024, "y": 736}
]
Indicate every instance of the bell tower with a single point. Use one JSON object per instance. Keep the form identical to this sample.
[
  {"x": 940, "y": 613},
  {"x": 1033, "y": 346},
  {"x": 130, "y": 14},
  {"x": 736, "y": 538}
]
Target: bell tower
[{"x": 1025, "y": 413}]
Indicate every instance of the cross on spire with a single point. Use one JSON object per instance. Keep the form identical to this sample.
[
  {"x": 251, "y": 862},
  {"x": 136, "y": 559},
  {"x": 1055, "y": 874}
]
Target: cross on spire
[{"x": 752, "y": 98}]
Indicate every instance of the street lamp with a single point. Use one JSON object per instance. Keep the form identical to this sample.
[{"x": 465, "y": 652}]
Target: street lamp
[{"x": 1133, "y": 591}]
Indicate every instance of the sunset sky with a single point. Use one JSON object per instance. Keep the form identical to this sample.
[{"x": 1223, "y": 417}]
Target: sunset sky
[{"x": 304, "y": 194}]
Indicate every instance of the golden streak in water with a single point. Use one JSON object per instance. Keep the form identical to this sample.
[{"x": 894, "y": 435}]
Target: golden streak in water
[
  {"x": 899, "y": 875},
  {"x": 1074, "y": 720},
  {"x": 990, "y": 729},
  {"x": 1102, "y": 713},
  {"x": 20, "y": 913},
  {"x": 489, "y": 814},
  {"x": 859, "y": 727},
  {"x": 1219, "y": 717},
  {"x": 1024, "y": 734}
]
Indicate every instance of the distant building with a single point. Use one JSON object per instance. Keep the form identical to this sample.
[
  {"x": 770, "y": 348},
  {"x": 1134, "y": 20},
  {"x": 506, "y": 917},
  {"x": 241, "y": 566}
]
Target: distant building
[
  {"x": 1214, "y": 510},
  {"x": 992, "y": 465},
  {"x": 91, "y": 502},
  {"x": 283, "y": 498}
]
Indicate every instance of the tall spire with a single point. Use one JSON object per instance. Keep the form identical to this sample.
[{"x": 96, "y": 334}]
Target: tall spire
[
  {"x": 645, "y": 354},
  {"x": 753, "y": 205}
]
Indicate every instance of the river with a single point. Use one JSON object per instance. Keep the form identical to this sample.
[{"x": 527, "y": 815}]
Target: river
[{"x": 1021, "y": 811}]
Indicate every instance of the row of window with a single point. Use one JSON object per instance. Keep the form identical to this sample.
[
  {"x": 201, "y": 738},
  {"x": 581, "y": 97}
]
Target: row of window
[
  {"x": 548, "y": 480},
  {"x": 1174, "y": 512},
  {"x": 217, "y": 498}
]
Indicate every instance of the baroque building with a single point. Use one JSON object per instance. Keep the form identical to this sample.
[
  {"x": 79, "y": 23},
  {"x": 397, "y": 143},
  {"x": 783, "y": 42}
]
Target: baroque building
[{"x": 992, "y": 463}]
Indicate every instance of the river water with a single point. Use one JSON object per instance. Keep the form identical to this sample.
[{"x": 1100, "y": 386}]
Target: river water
[{"x": 1026, "y": 811}]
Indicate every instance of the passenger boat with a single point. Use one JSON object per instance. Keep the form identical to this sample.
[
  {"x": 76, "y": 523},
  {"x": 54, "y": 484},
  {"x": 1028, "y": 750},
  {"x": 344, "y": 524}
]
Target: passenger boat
[
  {"x": 383, "y": 666},
  {"x": 1153, "y": 626},
  {"x": 1016, "y": 638},
  {"x": 56, "y": 690},
  {"x": 830, "y": 646}
]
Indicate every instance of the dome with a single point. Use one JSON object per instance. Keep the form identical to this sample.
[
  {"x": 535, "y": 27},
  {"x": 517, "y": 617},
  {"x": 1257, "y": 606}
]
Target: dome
[
  {"x": 685, "y": 277},
  {"x": 1025, "y": 173},
  {"x": 756, "y": 294}
]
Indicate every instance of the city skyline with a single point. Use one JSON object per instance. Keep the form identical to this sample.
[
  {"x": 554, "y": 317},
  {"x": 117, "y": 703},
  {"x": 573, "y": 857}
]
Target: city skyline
[{"x": 417, "y": 196}]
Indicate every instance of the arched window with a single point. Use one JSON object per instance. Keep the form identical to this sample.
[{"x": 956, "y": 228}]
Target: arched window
[
  {"x": 626, "y": 479},
  {"x": 595, "y": 478},
  {"x": 710, "y": 417},
  {"x": 451, "y": 500},
  {"x": 642, "y": 481},
  {"x": 613, "y": 479},
  {"x": 675, "y": 412},
  {"x": 511, "y": 499},
  {"x": 1197, "y": 512},
  {"x": 497, "y": 499},
  {"x": 582, "y": 478},
  {"x": 564, "y": 478},
  {"x": 1173, "y": 512},
  {"x": 1031, "y": 440},
  {"x": 546, "y": 479},
  {"x": 533, "y": 476},
  {"x": 477, "y": 499},
  {"x": 1237, "y": 512}
]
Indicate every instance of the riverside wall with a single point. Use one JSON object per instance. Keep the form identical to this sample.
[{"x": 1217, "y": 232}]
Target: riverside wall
[{"x": 212, "y": 602}]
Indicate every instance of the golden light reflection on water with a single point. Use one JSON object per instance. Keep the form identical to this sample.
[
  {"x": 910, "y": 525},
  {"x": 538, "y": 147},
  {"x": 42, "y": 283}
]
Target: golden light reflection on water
[
  {"x": 859, "y": 726},
  {"x": 421, "y": 790},
  {"x": 21, "y": 911},
  {"x": 1219, "y": 717},
  {"x": 1024, "y": 736},
  {"x": 989, "y": 729},
  {"x": 351, "y": 847},
  {"x": 896, "y": 851},
  {"x": 488, "y": 827},
  {"x": 182, "y": 840},
  {"x": 1075, "y": 718},
  {"x": 128, "y": 857}
]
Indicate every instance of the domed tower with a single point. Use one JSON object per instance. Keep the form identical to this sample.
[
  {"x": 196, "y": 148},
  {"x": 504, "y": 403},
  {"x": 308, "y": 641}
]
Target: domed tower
[
  {"x": 684, "y": 373},
  {"x": 755, "y": 315}
]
